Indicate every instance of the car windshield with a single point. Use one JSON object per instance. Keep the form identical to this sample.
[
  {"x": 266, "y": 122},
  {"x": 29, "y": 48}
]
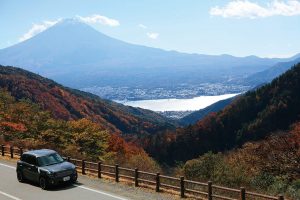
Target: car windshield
[{"x": 50, "y": 159}]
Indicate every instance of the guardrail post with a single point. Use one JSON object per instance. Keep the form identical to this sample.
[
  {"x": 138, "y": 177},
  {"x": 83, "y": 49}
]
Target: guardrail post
[
  {"x": 83, "y": 167},
  {"x": 243, "y": 193},
  {"x": 99, "y": 169},
  {"x": 209, "y": 191},
  {"x": 117, "y": 173},
  {"x": 68, "y": 159},
  {"x": 11, "y": 152},
  {"x": 2, "y": 150},
  {"x": 280, "y": 197},
  {"x": 182, "y": 187},
  {"x": 21, "y": 151},
  {"x": 157, "y": 182},
  {"x": 136, "y": 177}
]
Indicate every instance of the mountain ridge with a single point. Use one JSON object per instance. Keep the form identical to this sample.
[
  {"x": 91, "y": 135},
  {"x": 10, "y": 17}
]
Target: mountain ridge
[
  {"x": 195, "y": 116},
  {"x": 269, "y": 74},
  {"x": 69, "y": 104},
  {"x": 77, "y": 55}
]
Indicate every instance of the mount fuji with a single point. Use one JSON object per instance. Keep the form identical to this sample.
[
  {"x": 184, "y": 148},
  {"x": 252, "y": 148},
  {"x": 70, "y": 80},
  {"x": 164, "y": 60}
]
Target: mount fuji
[{"x": 76, "y": 55}]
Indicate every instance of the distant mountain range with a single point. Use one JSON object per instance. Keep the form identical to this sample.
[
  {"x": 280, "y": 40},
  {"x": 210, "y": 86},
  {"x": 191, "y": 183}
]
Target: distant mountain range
[
  {"x": 69, "y": 104},
  {"x": 76, "y": 55},
  {"x": 268, "y": 75}
]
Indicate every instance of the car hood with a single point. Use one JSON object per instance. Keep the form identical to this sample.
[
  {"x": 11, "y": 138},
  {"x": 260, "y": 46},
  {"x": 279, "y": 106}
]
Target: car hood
[{"x": 59, "y": 167}]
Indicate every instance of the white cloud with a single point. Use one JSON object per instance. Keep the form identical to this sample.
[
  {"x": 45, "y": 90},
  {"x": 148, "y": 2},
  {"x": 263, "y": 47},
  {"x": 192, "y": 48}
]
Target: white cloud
[
  {"x": 142, "y": 26},
  {"x": 153, "y": 36},
  {"x": 37, "y": 28},
  {"x": 93, "y": 19},
  {"x": 248, "y": 9}
]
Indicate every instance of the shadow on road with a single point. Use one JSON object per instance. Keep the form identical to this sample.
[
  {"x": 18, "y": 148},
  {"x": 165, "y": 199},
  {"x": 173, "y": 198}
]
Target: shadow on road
[
  {"x": 59, "y": 187},
  {"x": 64, "y": 186}
]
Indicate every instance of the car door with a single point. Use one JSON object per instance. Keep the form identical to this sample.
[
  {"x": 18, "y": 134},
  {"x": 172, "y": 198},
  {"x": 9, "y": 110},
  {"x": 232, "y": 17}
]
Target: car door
[
  {"x": 25, "y": 166},
  {"x": 32, "y": 168}
]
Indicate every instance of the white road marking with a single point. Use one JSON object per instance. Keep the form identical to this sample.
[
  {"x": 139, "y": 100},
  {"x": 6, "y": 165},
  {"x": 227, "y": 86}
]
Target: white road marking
[
  {"x": 7, "y": 166},
  {"x": 100, "y": 192},
  {"x": 10, "y": 196},
  {"x": 80, "y": 186}
]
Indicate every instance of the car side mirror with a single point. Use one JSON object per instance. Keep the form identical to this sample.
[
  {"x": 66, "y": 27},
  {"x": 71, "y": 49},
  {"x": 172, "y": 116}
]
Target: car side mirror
[{"x": 32, "y": 166}]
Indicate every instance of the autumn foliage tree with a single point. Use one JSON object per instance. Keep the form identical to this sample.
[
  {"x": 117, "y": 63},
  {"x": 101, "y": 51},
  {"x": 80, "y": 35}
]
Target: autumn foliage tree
[
  {"x": 268, "y": 166},
  {"x": 23, "y": 123}
]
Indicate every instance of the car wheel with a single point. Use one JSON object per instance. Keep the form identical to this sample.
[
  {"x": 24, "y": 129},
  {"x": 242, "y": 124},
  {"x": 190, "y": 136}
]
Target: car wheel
[
  {"x": 74, "y": 178},
  {"x": 20, "y": 177},
  {"x": 44, "y": 183}
]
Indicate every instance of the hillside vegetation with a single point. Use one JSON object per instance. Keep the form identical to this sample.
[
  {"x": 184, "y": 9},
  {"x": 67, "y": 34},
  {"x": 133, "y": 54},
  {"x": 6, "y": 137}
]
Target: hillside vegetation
[
  {"x": 195, "y": 116},
  {"x": 69, "y": 104},
  {"x": 23, "y": 123},
  {"x": 253, "y": 142},
  {"x": 270, "y": 166},
  {"x": 252, "y": 116}
]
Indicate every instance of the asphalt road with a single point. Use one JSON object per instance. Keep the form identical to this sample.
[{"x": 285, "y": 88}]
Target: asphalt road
[{"x": 11, "y": 189}]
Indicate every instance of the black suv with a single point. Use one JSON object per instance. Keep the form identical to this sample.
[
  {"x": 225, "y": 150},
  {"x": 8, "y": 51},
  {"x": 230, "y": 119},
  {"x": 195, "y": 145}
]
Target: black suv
[{"x": 45, "y": 167}]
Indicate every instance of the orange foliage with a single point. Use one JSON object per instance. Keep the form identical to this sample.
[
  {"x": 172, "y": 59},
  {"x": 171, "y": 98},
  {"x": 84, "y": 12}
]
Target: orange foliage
[
  {"x": 295, "y": 137},
  {"x": 119, "y": 145},
  {"x": 13, "y": 126}
]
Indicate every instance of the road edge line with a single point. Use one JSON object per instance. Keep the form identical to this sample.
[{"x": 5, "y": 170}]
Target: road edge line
[
  {"x": 80, "y": 186},
  {"x": 9, "y": 196},
  {"x": 4, "y": 165},
  {"x": 100, "y": 192}
]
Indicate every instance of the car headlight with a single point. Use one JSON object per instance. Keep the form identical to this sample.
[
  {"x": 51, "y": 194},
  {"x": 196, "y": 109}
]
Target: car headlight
[{"x": 51, "y": 174}]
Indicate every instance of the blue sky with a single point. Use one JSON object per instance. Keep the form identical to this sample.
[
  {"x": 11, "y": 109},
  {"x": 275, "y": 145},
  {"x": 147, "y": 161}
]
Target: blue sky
[{"x": 269, "y": 28}]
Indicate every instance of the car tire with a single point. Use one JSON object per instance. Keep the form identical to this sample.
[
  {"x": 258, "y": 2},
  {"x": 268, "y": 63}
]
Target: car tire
[
  {"x": 44, "y": 183},
  {"x": 74, "y": 178},
  {"x": 20, "y": 177}
]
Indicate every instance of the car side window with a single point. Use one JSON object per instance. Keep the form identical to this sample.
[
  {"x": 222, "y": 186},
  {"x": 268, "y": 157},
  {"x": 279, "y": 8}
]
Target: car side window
[
  {"x": 24, "y": 158},
  {"x": 31, "y": 160}
]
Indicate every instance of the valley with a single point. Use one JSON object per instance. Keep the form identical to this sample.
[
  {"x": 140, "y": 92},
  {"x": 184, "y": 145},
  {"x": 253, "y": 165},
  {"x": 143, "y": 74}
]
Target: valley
[{"x": 204, "y": 90}]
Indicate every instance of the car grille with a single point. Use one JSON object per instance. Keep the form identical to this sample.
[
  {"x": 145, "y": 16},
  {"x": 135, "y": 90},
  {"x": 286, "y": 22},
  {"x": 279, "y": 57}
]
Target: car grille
[{"x": 64, "y": 173}]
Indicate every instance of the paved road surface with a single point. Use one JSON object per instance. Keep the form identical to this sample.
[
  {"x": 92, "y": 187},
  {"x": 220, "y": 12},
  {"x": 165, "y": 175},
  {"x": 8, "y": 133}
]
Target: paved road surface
[
  {"x": 10, "y": 189},
  {"x": 86, "y": 188}
]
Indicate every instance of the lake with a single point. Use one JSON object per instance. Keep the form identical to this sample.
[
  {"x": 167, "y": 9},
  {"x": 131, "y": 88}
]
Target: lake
[{"x": 195, "y": 103}]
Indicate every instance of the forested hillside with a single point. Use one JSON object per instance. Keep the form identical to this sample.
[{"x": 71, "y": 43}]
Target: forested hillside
[
  {"x": 69, "y": 104},
  {"x": 252, "y": 116},
  {"x": 270, "y": 166},
  {"x": 200, "y": 114},
  {"x": 23, "y": 123}
]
